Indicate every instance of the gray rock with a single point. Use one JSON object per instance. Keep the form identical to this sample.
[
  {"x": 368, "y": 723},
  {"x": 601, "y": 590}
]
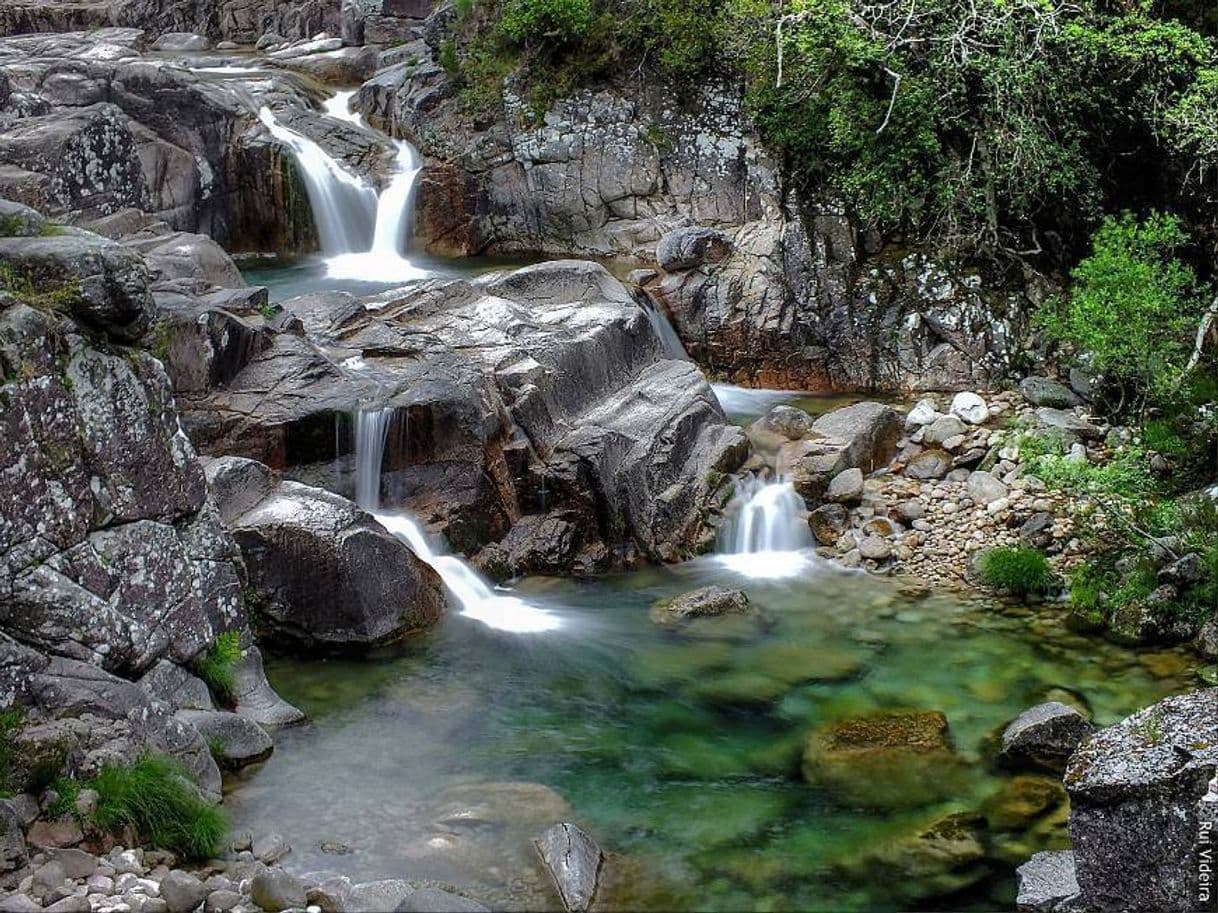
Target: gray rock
[
  {"x": 12, "y": 837},
  {"x": 929, "y": 464},
  {"x": 943, "y": 428},
  {"x": 875, "y": 548},
  {"x": 1046, "y": 881},
  {"x": 911, "y": 510},
  {"x": 386, "y": 894},
  {"x": 235, "y": 740},
  {"x": 72, "y": 904},
  {"x": 76, "y": 863},
  {"x": 574, "y": 861},
  {"x": 19, "y": 221},
  {"x": 862, "y": 436},
  {"x": 984, "y": 489},
  {"x": 970, "y": 408},
  {"x": 846, "y": 487},
  {"x": 254, "y": 697},
  {"x": 687, "y": 248},
  {"x": 19, "y": 903},
  {"x": 1068, "y": 422},
  {"x": 828, "y": 522},
  {"x": 1184, "y": 571},
  {"x": 1139, "y": 808},
  {"x": 182, "y": 892},
  {"x": 177, "y": 687},
  {"x": 924, "y": 413},
  {"x": 221, "y": 901},
  {"x": 433, "y": 900},
  {"x": 706, "y": 602},
  {"x": 270, "y": 848},
  {"x": 1044, "y": 391},
  {"x": 329, "y": 575},
  {"x": 274, "y": 890},
  {"x": 49, "y": 876},
  {"x": 1044, "y": 736}
]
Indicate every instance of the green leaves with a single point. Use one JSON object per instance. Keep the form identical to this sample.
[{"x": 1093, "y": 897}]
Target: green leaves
[{"x": 540, "y": 21}]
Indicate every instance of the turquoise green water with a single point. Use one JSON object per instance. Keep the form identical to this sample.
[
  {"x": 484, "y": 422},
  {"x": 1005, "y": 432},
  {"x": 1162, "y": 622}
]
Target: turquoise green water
[{"x": 680, "y": 750}]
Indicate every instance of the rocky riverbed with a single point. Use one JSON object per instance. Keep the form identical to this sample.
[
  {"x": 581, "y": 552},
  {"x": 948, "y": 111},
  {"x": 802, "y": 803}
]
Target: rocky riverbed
[{"x": 472, "y": 584}]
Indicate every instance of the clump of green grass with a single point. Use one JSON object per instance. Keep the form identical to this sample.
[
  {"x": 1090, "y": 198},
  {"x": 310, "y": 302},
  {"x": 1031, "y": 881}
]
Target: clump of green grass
[
  {"x": 10, "y": 721},
  {"x": 156, "y": 799},
  {"x": 217, "y": 667},
  {"x": 1018, "y": 571}
]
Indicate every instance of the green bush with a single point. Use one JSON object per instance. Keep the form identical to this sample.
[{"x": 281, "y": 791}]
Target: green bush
[
  {"x": 217, "y": 666},
  {"x": 1134, "y": 309},
  {"x": 545, "y": 21},
  {"x": 155, "y": 798},
  {"x": 1018, "y": 571},
  {"x": 11, "y": 720}
]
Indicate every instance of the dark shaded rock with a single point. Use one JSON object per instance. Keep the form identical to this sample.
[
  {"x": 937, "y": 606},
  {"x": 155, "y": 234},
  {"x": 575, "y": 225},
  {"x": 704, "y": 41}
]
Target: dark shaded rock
[
  {"x": 234, "y": 740},
  {"x": 1043, "y": 391},
  {"x": 687, "y": 248},
  {"x": 1046, "y": 882},
  {"x": 1184, "y": 571},
  {"x": 1068, "y": 422},
  {"x": 574, "y": 861},
  {"x": 327, "y": 574},
  {"x": 1138, "y": 807},
  {"x": 706, "y": 602},
  {"x": 182, "y": 892},
  {"x": 12, "y": 838},
  {"x": 177, "y": 687}
]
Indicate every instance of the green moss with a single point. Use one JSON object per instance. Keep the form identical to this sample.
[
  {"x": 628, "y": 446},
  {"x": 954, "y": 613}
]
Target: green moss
[
  {"x": 1018, "y": 571},
  {"x": 156, "y": 798},
  {"x": 11, "y": 721},
  {"x": 217, "y": 666}
]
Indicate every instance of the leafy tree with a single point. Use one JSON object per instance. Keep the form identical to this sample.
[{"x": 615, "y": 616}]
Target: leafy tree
[{"x": 1133, "y": 309}]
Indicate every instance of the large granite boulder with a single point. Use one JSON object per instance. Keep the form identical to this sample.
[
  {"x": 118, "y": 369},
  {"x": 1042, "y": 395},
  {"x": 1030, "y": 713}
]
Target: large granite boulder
[
  {"x": 539, "y": 397},
  {"x": 1142, "y": 806},
  {"x": 326, "y": 574},
  {"x": 862, "y": 436}
]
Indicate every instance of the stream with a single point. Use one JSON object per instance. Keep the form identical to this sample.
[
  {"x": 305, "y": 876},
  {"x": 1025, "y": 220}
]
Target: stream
[{"x": 678, "y": 749}]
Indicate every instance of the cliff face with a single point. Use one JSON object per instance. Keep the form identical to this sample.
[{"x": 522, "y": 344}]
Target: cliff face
[{"x": 795, "y": 295}]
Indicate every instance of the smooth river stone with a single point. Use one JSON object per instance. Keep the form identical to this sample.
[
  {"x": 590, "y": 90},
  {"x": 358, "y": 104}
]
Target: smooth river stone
[{"x": 574, "y": 861}]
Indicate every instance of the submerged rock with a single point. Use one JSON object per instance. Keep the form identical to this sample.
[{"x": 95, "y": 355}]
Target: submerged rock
[
  {"x": 574, "y": 861},
  {"x": 709, "y": 601},
  {"x": 433, "y": 900},
  {"x": 1141, "y": 795},
  {"x": 897, "y": 759}
]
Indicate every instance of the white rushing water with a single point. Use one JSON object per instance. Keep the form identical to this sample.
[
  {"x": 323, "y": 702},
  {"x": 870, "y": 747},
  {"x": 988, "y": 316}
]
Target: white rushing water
[
  {"x": 363, "y": 235},
  {"x": 472, "y": 593},
  {"x": 766, "y": 535}
]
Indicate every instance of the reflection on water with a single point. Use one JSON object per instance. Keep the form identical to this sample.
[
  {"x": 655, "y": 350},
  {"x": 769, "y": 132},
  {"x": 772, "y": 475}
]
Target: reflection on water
[{"x": 679, "y": 750}]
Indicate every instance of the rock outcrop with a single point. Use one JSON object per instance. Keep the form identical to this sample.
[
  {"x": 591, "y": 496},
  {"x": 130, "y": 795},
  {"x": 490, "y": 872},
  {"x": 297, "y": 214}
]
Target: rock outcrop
[
  {"x": 1143, "y": 809},
  {"x": 537, "y": 393}
]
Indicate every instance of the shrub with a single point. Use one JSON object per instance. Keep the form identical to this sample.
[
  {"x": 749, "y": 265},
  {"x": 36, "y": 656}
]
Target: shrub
[
  {"x": 546, "y": 21},
  {"x": 156, "y": 798},
  {"x": 1019, "y": 571},
  {"x": 10, "y": 721},
  {"x": 1134, "y": 309},
  {"x": 218, "y": 665}
]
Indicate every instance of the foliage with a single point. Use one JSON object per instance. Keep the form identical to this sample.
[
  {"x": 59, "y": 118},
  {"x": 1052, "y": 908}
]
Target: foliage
[
  {"x": 51, "y": 299},
  {"x": 11, "y": 721},
  {"x": 1133, "y": 308},
  {"x": 1019, "y": 571},
  {"x": 545, "y": 21},
  {"x": 154, "y": 797},
  {"x": 217, "y": 666}
]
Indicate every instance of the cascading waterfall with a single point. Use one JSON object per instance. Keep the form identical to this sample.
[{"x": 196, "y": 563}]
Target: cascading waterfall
[
  {"x": 664, "y": 330},
  {"x": 363, "y": 235},
  {"x": 767, "y": 533},
  {"x": 475, "y": 596}
]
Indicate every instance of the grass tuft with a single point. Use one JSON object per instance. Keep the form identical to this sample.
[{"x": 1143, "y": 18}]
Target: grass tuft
[
  {"x": 217, "y": 667},
  {"x": 1018, "y": 571},
  {"x": 155, "y": 798}
]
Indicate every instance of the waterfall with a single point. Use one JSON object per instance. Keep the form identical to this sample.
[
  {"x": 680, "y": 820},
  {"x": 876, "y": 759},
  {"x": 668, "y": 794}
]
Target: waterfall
[
  {"x": 663, "y": 328},
  {"x": 363, "y": 235},
  {"x": 371, "y": 429},
  {"x": 475, "y": 596},
  {"x": 767, "y": 533}
]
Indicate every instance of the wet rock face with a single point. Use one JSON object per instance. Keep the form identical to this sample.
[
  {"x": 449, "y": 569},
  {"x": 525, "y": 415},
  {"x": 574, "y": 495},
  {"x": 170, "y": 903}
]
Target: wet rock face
[
  {"x": 326, "y": 574},
  {"x": 1139, "y": 812},
  {"x": 539, "y": 397},
  {"x": 1044, "y": 737},
  {"x": 707, "y": 602}
]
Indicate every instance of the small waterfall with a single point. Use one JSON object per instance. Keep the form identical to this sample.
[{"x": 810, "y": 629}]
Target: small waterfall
[
  {"x": 475, "y": 596},
  {"x": 767, "y": 533},
  {"x": 363, "y": 235},
  {"x": 344, "y": 205},
  {"x": 371, "y": 429},
  {"x": 663, "y": 328}
]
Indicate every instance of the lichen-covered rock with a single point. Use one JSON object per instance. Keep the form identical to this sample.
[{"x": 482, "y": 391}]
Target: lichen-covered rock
[
  {"x": 326, "y": 574},
  {"x": 707, "y": 602},
  {"x": 1141, "y": 796},
  {"x": 1047, "y": 882}
]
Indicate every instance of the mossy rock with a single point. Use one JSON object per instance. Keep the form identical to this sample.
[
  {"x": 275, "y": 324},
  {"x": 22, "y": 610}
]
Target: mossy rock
[
  {"x": 941, "y": 857},
  {"x": 664, "y": 666},
  {"x": 740, "y": 688},
  {"x": 900, "y": 759},
  {"x": 798, "y": 662},
  {"x": 1021, "y": 800}
]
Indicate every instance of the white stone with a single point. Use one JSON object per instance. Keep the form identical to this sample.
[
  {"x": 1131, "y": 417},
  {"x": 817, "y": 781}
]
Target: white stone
[
  {"x": 922, "y": 414},
  {"x": 970, "y": 407}
]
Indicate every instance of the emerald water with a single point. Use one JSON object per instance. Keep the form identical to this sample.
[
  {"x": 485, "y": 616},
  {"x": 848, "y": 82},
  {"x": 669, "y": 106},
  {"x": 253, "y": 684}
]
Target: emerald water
[{"x": 679, "y": 750}]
